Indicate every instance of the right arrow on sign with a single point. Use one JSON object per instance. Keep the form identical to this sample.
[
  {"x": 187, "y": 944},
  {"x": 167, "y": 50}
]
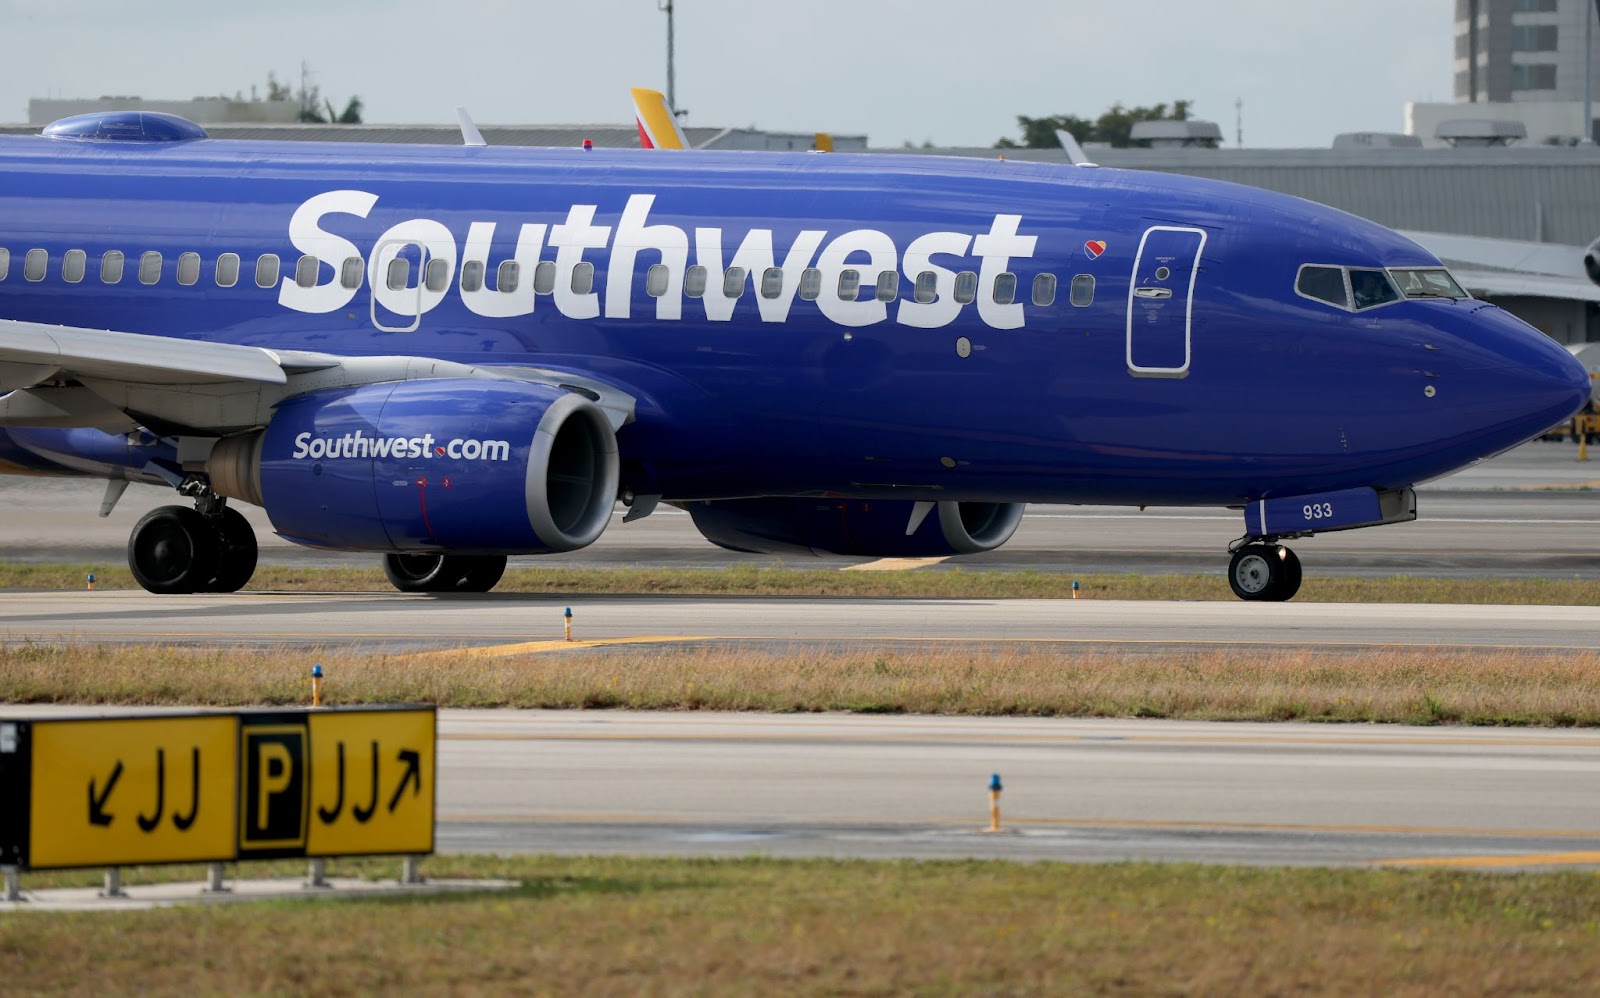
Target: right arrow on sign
[
  {"x": 413, "y": 776},
  {"x": 97, "y": 803}
]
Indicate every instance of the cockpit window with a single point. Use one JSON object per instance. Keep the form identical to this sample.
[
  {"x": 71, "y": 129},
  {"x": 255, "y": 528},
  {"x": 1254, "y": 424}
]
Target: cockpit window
[
  {"x": 1323, "y": 284},
  {"x": 1429, "y": 282},
  {"x": 1371, "y": 288}
]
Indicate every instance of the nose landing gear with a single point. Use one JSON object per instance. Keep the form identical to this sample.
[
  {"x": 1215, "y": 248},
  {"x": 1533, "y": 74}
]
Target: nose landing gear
[
  {"x": 1266, "y": 572},
  {"x": 208, "y": 549}
]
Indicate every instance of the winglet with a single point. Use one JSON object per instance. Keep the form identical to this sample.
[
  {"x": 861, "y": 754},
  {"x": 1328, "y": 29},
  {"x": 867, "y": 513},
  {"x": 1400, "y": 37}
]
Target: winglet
[
  {"x": 470, "y": 136},
  {"x": 1075, "y": 154},
  {"x": 658, "y": 127}
]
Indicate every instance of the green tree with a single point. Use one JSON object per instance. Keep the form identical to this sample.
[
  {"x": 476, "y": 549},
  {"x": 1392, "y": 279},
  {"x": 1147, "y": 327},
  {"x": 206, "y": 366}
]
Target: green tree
[{"x": 1114, "y": 126}]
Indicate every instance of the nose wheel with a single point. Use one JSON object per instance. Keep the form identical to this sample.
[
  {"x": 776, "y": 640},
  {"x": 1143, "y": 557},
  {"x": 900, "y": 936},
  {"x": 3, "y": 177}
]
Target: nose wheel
[
  {"x": 175, "y": 549},
  {"x": 1268, "y": 573}
]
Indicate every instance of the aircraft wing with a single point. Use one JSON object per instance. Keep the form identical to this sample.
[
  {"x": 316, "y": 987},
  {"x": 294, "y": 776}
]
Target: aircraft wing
[
  {"x": 33, "y": 353},
  {"x": 61, "y": 376}
]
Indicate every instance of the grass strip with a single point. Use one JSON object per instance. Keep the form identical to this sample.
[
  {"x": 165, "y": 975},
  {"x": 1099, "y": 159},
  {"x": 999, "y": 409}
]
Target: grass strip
[
  {"x": 1388, "y": 685},
  {"x": 659, "y": 926},
  {"x": 931, "y": 584}
]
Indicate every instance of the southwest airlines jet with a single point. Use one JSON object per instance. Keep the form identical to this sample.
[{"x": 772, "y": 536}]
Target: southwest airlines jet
[{"x": 448, "y": 355}]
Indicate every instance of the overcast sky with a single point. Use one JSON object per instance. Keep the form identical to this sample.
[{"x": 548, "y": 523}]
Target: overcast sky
[{"x": 956, "y": 72}]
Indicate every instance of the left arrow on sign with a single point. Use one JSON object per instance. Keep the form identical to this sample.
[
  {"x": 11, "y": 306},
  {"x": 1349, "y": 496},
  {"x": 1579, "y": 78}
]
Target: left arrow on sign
[{"x": 97, "y": 803}]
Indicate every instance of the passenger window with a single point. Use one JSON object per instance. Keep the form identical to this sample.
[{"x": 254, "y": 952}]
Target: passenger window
[
  {"x": 772, "y": 282},
  {"x": 544, "y": 277},
  {"x": 472, "y": 276},
  {"x": 1325, "y": 284},
  {"x": 966, "y": 289},
  {"x": 1083, "y": 290},
  {"x": 694, "y": 281},
  {"x": 149, "y": 267},
  {"x": 227, "y": 270},
  {"x": 110, "y": 267},
  {"x": 305, "y": 271},
  {"x": 810, "y": 284},
  {"x": 1005, "y": 288},
  {"x": 189, "y": 268},
  {"x": 849, "y": 284},
  {"x": 1044, "y": 289},
  {"x": 5, "y": 263},
  {"x": 350, "y": 273},
  {"x": 927, "y": 288},
  {"x": 35, "y": 264},
  {"x": 888, "y": 286},
  {"x": 656, "y": 279},
  {"x": 508, "y": 277},
  {"x": 267, "y": 270},
  {"x": 583, "y": 278},
  {"x": 438, "y": 274},
  {"x": 73, "y": 265},
  {"x": 733, "y": 282},
  {"x": 399, "y": 274}
]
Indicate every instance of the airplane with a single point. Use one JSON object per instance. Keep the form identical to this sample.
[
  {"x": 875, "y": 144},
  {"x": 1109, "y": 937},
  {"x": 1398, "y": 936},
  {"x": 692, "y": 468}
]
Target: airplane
[{"x": 446, "y": 355}]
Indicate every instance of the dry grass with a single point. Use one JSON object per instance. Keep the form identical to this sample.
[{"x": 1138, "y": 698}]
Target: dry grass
[
  {"x": 1412, "y": 686},
  {"x": 629, "y": 926},
  {"x": 931, "y": 584}
]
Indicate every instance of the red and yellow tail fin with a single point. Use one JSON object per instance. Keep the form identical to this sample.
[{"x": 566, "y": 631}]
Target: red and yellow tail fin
[{"x": 658, "y": 128}]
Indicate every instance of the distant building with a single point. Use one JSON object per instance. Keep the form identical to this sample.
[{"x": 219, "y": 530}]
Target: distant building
[
  {"x": 1522, "y": 50},
  {"x": 201, "y": 110}
]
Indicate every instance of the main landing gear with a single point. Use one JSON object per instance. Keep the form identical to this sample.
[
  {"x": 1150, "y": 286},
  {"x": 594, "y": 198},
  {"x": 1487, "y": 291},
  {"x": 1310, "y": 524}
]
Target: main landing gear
[
  {"x": 208, "y": 549},
  {"x": 444, "y": 573},
  {"x": 1264, "y": 572}
]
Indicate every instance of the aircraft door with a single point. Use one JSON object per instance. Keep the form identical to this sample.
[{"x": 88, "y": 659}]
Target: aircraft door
[
  {"x": 398, "y": 274},
  {"x": 1161, "y": 301}
]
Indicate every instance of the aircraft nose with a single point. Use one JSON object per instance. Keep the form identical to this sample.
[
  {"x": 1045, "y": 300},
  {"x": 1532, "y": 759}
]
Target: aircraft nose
[{"x": 1535, "y": 382}]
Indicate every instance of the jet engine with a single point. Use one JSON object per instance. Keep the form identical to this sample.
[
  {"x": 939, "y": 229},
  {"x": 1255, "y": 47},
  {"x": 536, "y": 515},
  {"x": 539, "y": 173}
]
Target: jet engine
[
  {"x": 1591, "y": 261},
  {"x": 864, "y": 527},
  {"x": 458, "y": 465}
]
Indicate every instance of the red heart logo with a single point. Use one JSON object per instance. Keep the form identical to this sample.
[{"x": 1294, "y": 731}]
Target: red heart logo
[{"x": 1093, "y": 248}]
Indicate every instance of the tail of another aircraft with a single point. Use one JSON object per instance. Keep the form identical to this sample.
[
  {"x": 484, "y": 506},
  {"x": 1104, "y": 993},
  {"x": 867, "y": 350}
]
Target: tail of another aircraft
[{"x": 658, "y": 127}]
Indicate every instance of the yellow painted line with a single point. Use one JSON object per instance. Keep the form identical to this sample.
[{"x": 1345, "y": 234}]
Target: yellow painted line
[
  {"x": 1526, "y": 859},
  {"x": 534, "y": 647},
  {"x": 895, "y": 564}
]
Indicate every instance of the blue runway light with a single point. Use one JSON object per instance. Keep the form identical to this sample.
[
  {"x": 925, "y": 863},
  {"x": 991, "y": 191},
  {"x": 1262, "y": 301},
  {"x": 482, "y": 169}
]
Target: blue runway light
[
  {"x": 994, "y": 784},
  {"x": 316, "y": 672}
]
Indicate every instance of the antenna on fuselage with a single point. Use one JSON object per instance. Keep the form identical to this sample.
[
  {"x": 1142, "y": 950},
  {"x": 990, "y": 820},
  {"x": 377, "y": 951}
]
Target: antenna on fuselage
[
  {"x": 470, "y": 136},
  {"x": 1075, "y": 154}
]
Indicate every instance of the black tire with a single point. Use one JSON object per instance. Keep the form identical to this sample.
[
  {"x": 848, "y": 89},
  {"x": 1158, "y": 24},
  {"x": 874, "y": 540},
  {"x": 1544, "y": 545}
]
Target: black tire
[
  {"x": 172, "y": 550},
  {"x": 480, "y": 573},
  {"x": 1291, "y": 574},
  {"x": 1260, "y": 573},
  {"x": 448, "y": 573},
  {"x": 236, "y": 551},
  {"x": 413, "y": 573}
]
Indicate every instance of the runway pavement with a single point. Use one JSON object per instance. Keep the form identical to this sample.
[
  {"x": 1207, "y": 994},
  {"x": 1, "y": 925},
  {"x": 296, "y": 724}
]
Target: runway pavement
[
  {"x": 531, "y": 623},
  {"x": 1533, "y": 512},
  {"x": 587, "y": 782},
  {"x": 1076, "y": 790}
]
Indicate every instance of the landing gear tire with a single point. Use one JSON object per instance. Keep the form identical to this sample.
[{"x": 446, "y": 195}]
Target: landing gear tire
[
  {"x": 173, "y": 550},
  {"x": 1268, "y": 573},
  {"x": 236, "y": 551},
  {"x": 443, "y": 573}
]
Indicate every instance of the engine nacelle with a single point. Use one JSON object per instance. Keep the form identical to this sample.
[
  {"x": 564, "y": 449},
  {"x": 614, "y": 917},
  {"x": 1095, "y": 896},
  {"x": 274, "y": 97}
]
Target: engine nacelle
[
  {"x": 861, "y": 527},
  {"x": 458, "y": 465},
  {"x": 1591, "y": 261}
]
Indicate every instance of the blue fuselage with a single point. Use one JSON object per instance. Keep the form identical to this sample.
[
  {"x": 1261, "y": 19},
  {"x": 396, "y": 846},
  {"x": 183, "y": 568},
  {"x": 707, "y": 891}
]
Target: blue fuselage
[{"x": 1216, "y": 383}]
